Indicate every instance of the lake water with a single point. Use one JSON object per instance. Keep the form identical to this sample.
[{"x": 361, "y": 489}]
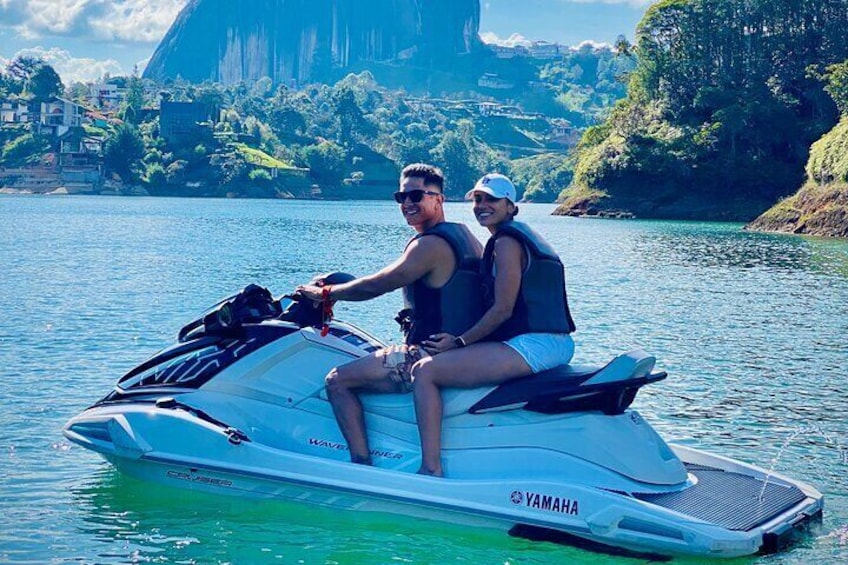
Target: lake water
[{"x": 752, "y": 328}]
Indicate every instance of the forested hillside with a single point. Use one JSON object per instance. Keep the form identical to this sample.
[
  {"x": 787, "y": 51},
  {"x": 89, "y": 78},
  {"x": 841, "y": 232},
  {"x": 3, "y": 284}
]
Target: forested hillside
[
  {"x": 821, "y": 206},
  {"x": 721, "y": 111},
  {"x": 345, "y": 140}
]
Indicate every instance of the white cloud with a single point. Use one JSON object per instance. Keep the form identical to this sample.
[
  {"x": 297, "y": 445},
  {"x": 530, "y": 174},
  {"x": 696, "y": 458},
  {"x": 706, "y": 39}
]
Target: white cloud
[
  {"x": 512, "y": 41},
  {"x": 517, "y": 39},
  {"x": 72, "y": 69},
  {"x": 135, "y": 21},
  {"x": 139, "y": 20},
  {"x": 591, "y": 44}
]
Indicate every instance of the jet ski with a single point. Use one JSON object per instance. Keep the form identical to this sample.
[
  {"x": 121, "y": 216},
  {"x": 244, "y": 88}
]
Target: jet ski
[{"x": 237, "y": 406}]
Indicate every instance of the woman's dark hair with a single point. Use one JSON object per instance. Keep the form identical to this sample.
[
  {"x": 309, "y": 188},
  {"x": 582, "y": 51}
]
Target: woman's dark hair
[{"x": 431, "y": 174}]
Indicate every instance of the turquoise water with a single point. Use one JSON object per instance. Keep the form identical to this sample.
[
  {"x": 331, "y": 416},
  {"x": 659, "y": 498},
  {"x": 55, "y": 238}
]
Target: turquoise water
[{"x": 752, "y": 329}]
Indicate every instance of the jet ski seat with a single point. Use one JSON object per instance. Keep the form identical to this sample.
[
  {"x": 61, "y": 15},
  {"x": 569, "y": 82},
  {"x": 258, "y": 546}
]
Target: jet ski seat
[
  {"x": 401, "y": 407},
  {"x": 568, "y": 388},
  {"x": 609, "y": 389}
]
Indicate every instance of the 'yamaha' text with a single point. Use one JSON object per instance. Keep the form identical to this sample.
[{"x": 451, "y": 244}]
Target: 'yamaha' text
[{"x": 551, "y": 503}]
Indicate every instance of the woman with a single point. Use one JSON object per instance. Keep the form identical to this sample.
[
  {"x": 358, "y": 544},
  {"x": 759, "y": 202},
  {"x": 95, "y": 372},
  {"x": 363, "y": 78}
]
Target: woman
[{"x": 526, "y": 325}]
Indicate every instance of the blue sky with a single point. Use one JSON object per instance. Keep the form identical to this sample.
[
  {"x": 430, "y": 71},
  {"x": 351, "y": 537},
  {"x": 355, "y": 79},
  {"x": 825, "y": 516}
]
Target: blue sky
[{"x": 83, "y": 39}]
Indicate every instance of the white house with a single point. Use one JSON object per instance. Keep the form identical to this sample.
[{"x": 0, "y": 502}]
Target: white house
[
  {"x": 503, "y": 51},
  {"x": 14, "y": 112},
  {"x": 492, "y": 80},
  {"x": 563, "y": 133},
  {"x": 60, "y": 115},
  {"x": 544, "y": 50},
  {"x": 105, "y": 96}
]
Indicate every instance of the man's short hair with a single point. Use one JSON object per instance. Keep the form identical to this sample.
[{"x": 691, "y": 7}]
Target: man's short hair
[{"x": 432, "y": 175}]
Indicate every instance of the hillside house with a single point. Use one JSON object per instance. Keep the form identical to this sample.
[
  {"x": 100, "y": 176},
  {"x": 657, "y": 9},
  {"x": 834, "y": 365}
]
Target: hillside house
[
  {"x": 106, "y": 96},
  {"x": 487, "y": 108},
  {"x": 78, "y": 149},
  {"x": 14, "y": 112},
  {"x": 60, "y": 115},
  {"x": 563, "y": 133},
  {"x": 544, "y": 50},
  {"x": 492, "y": 80},
  {"x": 99, "y": 119},
  {"x": 502, "y": 51}
]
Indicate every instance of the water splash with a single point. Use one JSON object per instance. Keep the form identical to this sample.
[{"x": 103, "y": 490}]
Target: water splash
[
  {"x": 810, "y": 429},
  {"x": 840, "y": 534}
]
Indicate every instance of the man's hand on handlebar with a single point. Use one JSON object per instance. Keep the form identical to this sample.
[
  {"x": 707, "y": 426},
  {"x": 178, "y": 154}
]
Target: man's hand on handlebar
[{"x": 309, "y": 292}]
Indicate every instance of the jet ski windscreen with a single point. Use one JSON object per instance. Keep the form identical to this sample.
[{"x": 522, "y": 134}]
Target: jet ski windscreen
[{"x": 190, "y": 365}]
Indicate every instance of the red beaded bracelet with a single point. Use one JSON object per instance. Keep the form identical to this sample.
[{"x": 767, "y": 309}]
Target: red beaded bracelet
[{"x": 326, "y": 310}]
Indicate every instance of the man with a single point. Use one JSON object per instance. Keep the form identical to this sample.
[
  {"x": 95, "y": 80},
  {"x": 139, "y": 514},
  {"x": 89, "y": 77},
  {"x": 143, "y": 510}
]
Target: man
[{"x": 439, "y": 274}]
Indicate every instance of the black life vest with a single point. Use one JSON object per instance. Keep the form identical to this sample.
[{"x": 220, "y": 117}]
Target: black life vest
[
  {"x": 542, "y": 304},
  {"x": 457, "y": 305}
]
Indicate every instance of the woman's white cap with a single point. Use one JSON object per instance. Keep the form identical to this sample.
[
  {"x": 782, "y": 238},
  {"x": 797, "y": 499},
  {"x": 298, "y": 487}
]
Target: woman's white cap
[{"x": 495, "y": 185}]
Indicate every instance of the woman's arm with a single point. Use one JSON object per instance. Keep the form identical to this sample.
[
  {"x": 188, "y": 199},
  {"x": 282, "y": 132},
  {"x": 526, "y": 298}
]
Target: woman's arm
[{"x": 509, "y": 261}]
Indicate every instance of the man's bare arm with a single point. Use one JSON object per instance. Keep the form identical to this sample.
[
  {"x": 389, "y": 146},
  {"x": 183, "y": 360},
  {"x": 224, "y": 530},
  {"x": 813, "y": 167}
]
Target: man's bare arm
[{"x": 419, "y": 259}]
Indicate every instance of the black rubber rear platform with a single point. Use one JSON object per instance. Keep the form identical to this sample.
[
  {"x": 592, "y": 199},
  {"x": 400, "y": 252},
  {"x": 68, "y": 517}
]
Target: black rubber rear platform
[{"x": 731, "y": 500}]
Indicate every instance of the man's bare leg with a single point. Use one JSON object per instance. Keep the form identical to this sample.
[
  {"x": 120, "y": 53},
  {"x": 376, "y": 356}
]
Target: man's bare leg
[{"x": 343, "y": 383}]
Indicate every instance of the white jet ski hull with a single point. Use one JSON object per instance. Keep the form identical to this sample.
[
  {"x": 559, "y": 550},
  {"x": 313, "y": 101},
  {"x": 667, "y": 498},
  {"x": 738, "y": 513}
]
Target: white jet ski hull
[{"x": 239, "y": 408}]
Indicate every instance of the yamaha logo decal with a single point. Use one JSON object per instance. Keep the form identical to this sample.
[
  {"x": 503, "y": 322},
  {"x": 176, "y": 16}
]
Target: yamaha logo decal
[{"x": 546, "y": 502}]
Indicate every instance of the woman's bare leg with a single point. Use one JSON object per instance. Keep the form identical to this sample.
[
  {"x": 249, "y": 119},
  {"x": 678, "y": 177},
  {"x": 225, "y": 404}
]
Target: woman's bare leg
[{"x": 460, "y": 368}]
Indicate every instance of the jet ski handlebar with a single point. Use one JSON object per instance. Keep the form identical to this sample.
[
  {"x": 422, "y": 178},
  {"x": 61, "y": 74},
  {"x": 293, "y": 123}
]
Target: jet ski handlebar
[{"x": 255, "y": 303}]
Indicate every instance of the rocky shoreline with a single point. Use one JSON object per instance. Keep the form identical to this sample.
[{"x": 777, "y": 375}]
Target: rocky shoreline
[
  {"x": 597, "y": 204},
  {"x": 819, "y": 210}
]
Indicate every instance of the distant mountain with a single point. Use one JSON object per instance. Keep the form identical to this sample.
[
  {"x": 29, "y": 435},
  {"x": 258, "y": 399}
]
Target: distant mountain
[{"x": 307, "y": 40}]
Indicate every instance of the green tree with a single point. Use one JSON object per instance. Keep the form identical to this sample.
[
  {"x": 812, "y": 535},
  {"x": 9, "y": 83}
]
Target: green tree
[
  {"x": 720, "y": 109},
  {"x": 77, "y": 92},
  {"x": 11, "y": 81},
  {"x": 135, "y": 99},
  {"x": 352, "y": 121},
  {"x": 453, "y": 154},
  {"x": 326, "y": 162},
  {"x": 287, "y": 122},
  {"x": 24, "y": 150},
  {"x": 175, "y": 173},
  {"x": 123, "y": 152},
  {"x": 44, "y": 83},
  {"x": 260, "y": 178},
  {"x": 155, "y": 176},
  {"x": 22, "y": 68},
  {"x": 837, "y": 85}
]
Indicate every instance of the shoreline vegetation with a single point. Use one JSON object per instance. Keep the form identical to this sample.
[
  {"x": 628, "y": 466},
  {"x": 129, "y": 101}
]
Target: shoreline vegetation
[
  {"x": 723, "y": 110},
  {"x": 711, "y": 114}
]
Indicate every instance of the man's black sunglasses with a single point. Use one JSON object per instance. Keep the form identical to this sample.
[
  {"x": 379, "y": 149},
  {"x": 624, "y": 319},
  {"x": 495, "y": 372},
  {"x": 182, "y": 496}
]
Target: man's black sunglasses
[{"x": 415, "y": 196}]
